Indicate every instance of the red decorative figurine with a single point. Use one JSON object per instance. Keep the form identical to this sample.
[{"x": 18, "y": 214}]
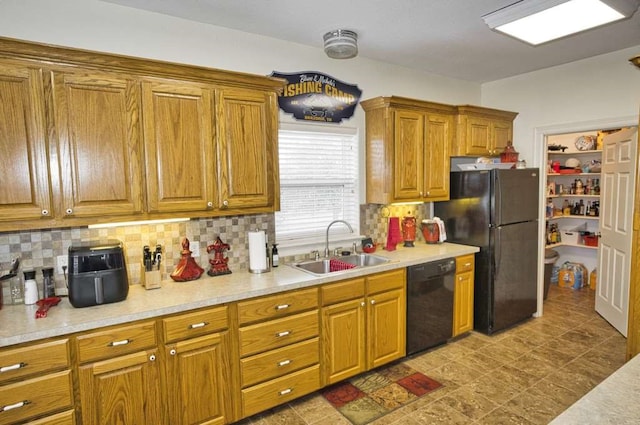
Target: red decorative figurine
[
  {"x": 187, "y": 268},
  {"x": 219, "y": 262},
  {"x": 408, "y": 229}
]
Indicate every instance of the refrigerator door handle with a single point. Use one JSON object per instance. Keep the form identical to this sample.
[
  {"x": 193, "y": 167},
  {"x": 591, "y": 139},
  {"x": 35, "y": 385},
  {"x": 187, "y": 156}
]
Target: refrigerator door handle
[
  {"x": 497, "y": 250},
  {"x": 497, "y": 200}
]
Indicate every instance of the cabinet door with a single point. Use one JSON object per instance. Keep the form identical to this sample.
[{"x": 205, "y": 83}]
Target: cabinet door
[
  {"x": 123, "y": 390},
  {"x": 179, "y": 142},
  {"x": 99, "y": 143},
  {"x": 409, "y": 138},
  {"x": 436, "y": 157},
  {"x": 478, "y": 136},
  {"x": 25, "y": 192},
  {"x": 343, "y": 337},
  {"x": 386, "y": 327},
  {"x": 501, "y": 133},
  {"x": 463, "y": 303},
  {"x": 198, "y": 380},
  {"x": 247, "y": 141}
]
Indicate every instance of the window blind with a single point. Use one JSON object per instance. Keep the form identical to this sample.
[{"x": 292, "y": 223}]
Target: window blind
[{"x": 318, "y": 183}]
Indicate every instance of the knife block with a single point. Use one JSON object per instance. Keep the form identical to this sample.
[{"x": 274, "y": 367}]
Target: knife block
[{"x": 151, "y": 279}]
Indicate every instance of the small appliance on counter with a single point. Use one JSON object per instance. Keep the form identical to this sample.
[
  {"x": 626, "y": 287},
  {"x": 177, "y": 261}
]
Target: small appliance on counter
[{"x": 97, "y": 273}]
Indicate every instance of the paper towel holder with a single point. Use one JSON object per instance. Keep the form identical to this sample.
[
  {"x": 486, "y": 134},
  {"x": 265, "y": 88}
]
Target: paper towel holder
[{"x": 258, "y": 252}]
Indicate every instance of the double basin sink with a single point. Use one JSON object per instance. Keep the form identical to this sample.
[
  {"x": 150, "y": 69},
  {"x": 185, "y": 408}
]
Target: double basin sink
[{"x": 325, "y": 266}]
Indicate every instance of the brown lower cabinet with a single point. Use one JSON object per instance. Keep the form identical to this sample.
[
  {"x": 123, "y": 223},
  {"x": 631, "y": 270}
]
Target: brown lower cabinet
[
  {"x": 197, "y": 367},
  {"x": 212, "y": 366},
  {"x": 463, "y": 295},
  {"x": 119, "y": 376},
  {"x": 36, "y": 382},
  {"x": 363, "y": 324}
]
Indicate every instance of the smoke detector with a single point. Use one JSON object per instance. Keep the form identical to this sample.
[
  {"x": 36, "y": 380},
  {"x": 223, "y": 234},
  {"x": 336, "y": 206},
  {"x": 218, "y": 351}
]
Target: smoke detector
[{"x": 341, "y": 44}]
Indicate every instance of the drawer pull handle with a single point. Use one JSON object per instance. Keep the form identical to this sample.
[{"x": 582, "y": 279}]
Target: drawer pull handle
[
  {"x": 467, "y": 264},
  {"x": 12, "y": 367},
  {"x": 284, "y": 363},
  {"x": 283, "y": 333},
  {"x": 117, "y": 343},
  {"x": 173, "y": 352},
  {"x": 14, "y": 406},
  {"x": 282, "y": 307},
  {"x": 285, "y": 392},
  {"x": 198, "y": 325}
]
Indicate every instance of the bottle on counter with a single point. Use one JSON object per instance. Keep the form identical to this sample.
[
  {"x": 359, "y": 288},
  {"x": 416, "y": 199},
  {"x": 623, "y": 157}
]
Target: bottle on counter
[
  {"x": 275, "y": 259},
  {"x": 16, "y": 288},
  {"x": 30, "y": 287},
  {"x": 48, "y": 283}
]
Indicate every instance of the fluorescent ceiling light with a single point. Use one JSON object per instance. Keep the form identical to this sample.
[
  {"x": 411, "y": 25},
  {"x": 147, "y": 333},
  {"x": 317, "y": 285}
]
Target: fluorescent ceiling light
[
  {"x": 136, "y": 223},
  {"x": 540, "y": 21}
]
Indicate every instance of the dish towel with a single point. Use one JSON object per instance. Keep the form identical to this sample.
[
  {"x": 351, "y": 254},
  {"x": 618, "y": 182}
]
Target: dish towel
[
  {"x": 394, "y": 236},
  {"x": 443, "y": 233}
]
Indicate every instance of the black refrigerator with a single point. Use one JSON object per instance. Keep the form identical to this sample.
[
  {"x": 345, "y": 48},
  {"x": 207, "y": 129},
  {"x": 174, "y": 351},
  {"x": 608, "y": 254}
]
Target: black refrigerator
[{"x": 497, "y": 211}]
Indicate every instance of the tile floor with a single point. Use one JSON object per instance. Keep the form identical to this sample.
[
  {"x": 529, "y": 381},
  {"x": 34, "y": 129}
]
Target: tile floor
[{"x": 525, "y": 375}]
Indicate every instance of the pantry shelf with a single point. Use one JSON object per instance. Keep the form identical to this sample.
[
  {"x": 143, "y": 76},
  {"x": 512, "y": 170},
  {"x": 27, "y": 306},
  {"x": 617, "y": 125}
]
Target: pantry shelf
[{"x": 577, "y": 245}]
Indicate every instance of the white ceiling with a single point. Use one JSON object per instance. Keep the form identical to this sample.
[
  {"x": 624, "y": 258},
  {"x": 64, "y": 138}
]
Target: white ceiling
[{"x": 446, "y": 37}]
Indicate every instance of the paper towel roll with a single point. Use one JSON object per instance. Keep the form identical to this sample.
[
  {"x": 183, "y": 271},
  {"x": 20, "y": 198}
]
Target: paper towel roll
[{"x": 257, "y": 251}]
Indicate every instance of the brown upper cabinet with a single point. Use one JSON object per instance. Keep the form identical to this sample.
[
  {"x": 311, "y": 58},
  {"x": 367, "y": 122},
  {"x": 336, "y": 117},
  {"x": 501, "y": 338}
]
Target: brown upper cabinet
[
  {"x": 247, "y": 148},
  {"x": 25, "y": 192},
  {"x": 407, "y": 149},
  {"x": 482, "y": 131},
  {"x": 89, "y": 137},
  {"x": 97, "y": 137},
  {"x": 179, "y": 142}
]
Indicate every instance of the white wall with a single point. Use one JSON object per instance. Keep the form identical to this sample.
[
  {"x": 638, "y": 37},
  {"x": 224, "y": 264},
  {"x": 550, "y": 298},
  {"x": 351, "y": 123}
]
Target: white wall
[{"x": 599, "y": 89}]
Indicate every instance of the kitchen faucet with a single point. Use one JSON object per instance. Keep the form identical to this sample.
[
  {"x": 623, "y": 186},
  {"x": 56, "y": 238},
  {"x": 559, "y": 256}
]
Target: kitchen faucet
[{"x": 326, "y": 246}]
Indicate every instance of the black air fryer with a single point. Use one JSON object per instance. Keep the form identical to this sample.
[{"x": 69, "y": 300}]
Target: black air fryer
[{"x": 97, "y": 273}]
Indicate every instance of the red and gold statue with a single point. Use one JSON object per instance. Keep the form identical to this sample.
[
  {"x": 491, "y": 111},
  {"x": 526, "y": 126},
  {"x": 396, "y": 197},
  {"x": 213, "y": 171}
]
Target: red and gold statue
[{"x": 219, "y": 261}]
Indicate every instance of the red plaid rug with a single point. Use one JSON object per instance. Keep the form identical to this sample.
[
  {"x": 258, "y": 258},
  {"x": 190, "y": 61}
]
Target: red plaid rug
[{"x": 379, "y": 392}]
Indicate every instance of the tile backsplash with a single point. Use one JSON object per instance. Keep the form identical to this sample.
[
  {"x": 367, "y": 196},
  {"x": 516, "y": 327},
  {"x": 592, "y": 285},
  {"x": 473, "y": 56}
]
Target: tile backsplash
[{"x": 40, "y": 248}]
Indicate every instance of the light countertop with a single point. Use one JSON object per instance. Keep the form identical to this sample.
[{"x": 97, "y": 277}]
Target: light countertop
[
  {"x": 614, "y": 401},
  {"x": 20, "y": 325}
]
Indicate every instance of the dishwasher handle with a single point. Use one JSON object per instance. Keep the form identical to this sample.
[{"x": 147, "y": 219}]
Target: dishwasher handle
[{"x": 431, "y": 269}]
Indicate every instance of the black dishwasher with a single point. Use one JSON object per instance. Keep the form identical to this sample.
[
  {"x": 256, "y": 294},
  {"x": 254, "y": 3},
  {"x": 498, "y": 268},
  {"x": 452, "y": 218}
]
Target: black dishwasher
[{"x": 429, "y": 304}]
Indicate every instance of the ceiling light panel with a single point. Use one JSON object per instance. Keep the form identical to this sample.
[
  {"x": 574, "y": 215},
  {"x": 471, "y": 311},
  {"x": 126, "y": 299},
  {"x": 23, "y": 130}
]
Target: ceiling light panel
[{"x": 540, "y": 21}]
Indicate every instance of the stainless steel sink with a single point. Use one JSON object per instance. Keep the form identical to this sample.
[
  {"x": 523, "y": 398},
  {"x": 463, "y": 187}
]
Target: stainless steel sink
[
  {"x": 325, "y": 265},
  {"x": 363, "y": 260}
]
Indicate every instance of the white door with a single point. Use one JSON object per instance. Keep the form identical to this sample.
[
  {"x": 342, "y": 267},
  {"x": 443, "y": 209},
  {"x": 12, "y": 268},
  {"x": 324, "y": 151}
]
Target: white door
[{"x": 616, "y": 227}]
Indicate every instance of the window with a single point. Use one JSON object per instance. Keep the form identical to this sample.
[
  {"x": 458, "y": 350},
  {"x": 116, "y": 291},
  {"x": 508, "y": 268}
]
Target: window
[{"x": 318, "y": 183}]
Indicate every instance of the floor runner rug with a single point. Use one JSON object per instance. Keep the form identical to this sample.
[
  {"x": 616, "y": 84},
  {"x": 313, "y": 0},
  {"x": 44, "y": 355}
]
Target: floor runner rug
[{"x": 369, "y": 396}]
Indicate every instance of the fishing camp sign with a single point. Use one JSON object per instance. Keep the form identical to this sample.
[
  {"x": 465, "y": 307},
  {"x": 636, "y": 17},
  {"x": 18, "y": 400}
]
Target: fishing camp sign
[{"x": 312, "y": 96}]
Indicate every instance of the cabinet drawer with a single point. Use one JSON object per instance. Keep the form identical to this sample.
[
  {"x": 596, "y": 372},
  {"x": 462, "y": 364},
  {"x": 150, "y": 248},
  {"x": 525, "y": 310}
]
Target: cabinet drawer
[
  {"x": 64, "y": 418},
  {"x": 342, "y": 291},
  {"x": 279, "y": 305},
  {"x": 281, "y": 361},
  {"x": 194, "y": 324},
  {"x": 385, "y": 281},
  {"x": 33, "y": 359},
  {"x": 278, "y": 333},
  {"x": 116, "y": 341},
  {"x": 281, "y": 390},
  {"x": 33, "y": 397},
  {"x": 464, "y": 263}
]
